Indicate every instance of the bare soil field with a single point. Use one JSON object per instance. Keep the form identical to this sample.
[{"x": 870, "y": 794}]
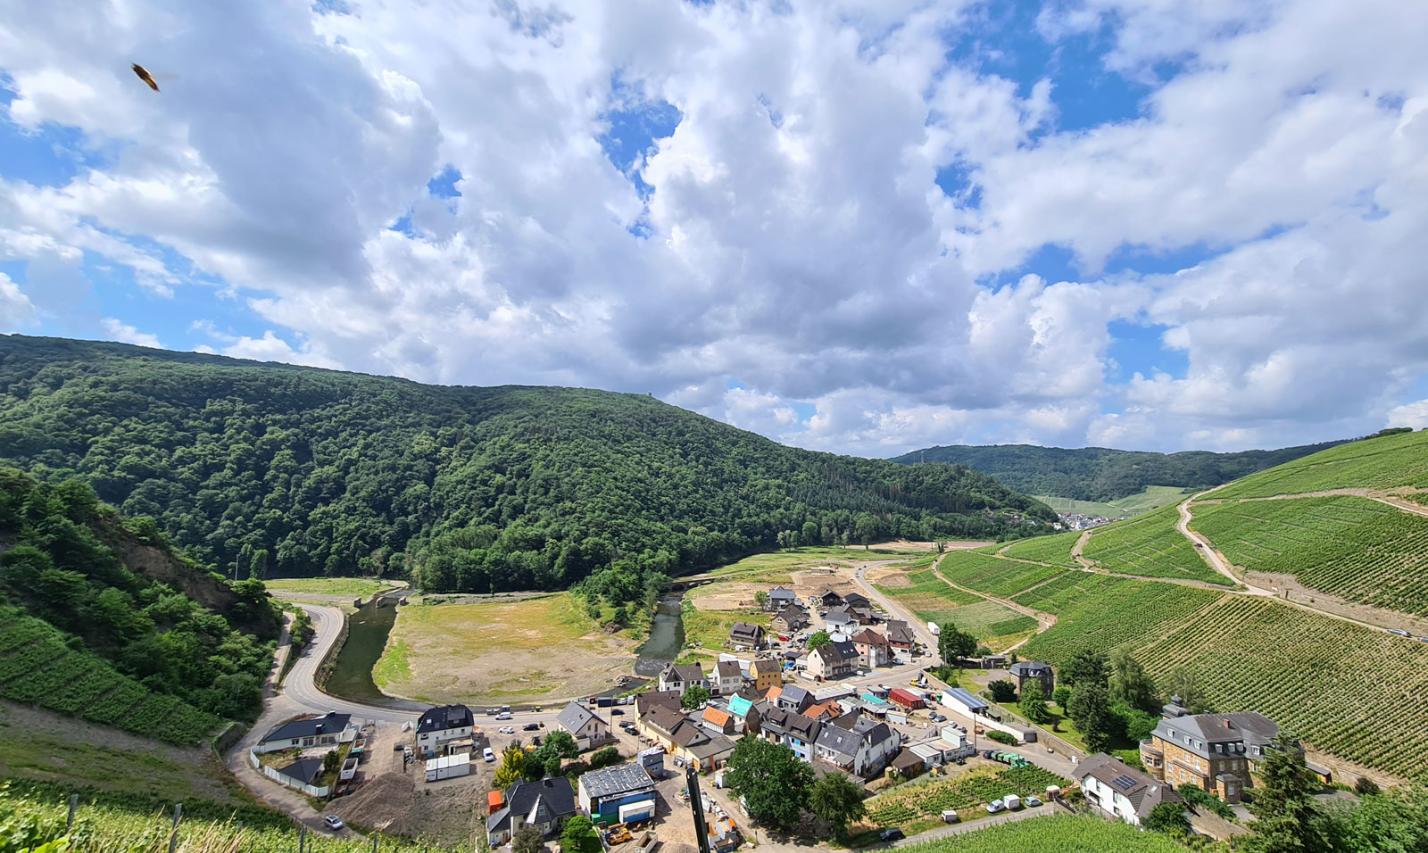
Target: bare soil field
[{"x": 501, "y": 652}]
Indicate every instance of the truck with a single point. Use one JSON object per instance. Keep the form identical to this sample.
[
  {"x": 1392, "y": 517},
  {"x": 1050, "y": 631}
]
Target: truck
[
  {"x": 935, "y": 629},
  {"x": 1012, "y": 802}
]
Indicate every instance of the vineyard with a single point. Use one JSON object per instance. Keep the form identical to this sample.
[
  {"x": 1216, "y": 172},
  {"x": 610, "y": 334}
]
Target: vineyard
[
  {"x": 1101, "y": 613},
  {"x": 1055, "y": 833},
  {"x": 102, "y": 827},
  {"x": 1052, "y": 550},
  {"x": 1373, "y": 463},
  {"x": 1150, "y": 546},
  {"x": 37, "y": 667},
  {"x": 926, "y": 594},
  {"x": 993, "y": 575},
  {"x": 1355, "y": 548},
  {"x": 1351, "y": 691},
  {"x": 919, "y": 801}
]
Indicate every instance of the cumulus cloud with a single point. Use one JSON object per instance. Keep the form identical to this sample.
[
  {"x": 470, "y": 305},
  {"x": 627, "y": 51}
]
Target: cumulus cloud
[
  {"x": 125, "y": 333},
  {"x": 16, "y": 310},
  {"x": 790, "y": 257}
]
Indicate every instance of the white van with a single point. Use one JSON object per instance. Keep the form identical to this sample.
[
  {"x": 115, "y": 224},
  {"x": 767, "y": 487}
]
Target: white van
[{"x": 488, "y": 755}]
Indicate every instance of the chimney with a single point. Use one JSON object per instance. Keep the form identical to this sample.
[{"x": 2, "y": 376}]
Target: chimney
[{"x": 1227, "y": 723}]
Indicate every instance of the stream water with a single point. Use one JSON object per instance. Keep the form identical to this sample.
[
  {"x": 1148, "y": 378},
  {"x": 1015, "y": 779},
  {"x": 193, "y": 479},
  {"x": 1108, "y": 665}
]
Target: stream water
[
  {"x": 367, "y": 631},
  {"x": 666, "y": 635}
]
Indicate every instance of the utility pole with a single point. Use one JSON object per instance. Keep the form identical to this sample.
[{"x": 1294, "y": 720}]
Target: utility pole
[
  {"x": 701, "y": 830},
  {"x": 173, "y": 836}
]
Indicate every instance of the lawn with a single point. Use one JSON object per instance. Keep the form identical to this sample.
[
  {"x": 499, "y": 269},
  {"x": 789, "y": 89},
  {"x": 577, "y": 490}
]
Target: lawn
[
  {"x": 345, "y": 587},
  {"x": 1054, "y": 833},
  {"x": 709, "y": 629},
  {"x": 533, "y": 650}
]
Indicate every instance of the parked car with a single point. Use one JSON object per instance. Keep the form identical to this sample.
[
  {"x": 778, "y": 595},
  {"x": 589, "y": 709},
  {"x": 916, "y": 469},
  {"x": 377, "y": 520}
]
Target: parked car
[
  {"x": 996, "y": 806},
  {"x": 487, "y": 755},
  {"x": 333, "y": 822},
  {"x": 536, "y": 740},
  {"x": 616, "y": 712},
  {"x": 504, "y": 715},
  {"x": 507, "y": 730},
  {"x": 530, "y": 727},
  {"x": 893, "y": 834},
  {"x": 938, "y": 718},
  {"x": 1032, "y": 802}
]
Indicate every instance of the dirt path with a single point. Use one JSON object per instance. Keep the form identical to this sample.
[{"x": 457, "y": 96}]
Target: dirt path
[{"x": 1044, "y": 621}]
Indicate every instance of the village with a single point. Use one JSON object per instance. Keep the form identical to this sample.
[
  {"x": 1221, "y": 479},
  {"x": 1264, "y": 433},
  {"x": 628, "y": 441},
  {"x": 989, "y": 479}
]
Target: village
[{"x": 836, "y": 678}]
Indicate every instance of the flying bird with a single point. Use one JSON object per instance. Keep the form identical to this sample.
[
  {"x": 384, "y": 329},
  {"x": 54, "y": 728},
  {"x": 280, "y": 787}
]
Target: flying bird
[{"x": 145, "y": 76}]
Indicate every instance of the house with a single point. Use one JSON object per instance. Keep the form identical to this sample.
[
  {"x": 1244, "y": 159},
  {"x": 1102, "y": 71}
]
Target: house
[
  {"x": 304, "y": 732},
  {"x": 767, "y": 673},
  {"x": 873, "y": 648},
  {"x": 791, "y": 729},
  {"x": 900, "y": 635},
  {"x": 660, "y": 723},
  {"x": 790, "y": 620},
  {"x": 1216, "y": 752},
  {"x": 544, "y": 805},
  {"x": 718, "y": 721},
  {"x": 779, "y": 598},
  {"x": 1120, "y": 790},
  {"x": 835, "y": 659},
  {"x": 707, "y": 752},
  {"x": 302, "y": 771},
  {"x": 857, "y": 744},
  {"x": 824, "y": 711},
  {"x": 792, "y": 698},
  {"x": 1034, "y": 670},
  {"x": 859, "y": 607},
  {"x": 726, "y": 678},
  {"x": 657, "y": 698},
  {"x": 839, "y": 620},
  {"x": 680, "y": 678},
  {"x": 829, "y": 598},
  {"x": 440, "y": 725},
  {"x": 964, "y": 702},
  {"x": 746, "y": 635},
  {"x": 908, "y": 764},
  {"x": 747, "y": 708},
  {"x": 618, "y": 794},
  {"x": 587, "y": 729}
]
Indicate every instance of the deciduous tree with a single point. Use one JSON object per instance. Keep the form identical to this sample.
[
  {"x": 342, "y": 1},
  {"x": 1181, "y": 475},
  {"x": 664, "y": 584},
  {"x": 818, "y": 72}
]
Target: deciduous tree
[
  {"x": 773, "y": 782},
  {"x": 838, "y": 800}
]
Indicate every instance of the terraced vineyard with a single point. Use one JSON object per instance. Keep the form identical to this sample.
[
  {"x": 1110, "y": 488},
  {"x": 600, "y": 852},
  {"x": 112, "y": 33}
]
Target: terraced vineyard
[
  {"x": 1149, "y": 546},
  {"x": 1099, "y": 612},
  {"x": 993, "y": 575},
  {"x": 1058, "y": 833},
  {"x": 1355, "y": 548},
  {"x": 913, "y": 803},
  {"x": 1350, "y": 691},
  {"x": 1373, "y": 463},
  {"x": 37, "y": 667},
  {"x": 1053, "y": 550},
  {"x": 991, "y": 623}
]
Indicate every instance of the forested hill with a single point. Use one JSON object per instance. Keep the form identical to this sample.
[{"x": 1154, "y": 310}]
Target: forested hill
[
  {"x": 282, "y": 470},
  {"x": 1102, "y": 474}
]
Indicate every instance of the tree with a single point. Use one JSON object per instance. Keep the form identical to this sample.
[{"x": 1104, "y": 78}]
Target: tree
[
  {"x": 330, "y": 762},
  {"x": 1002, "y": 690},
  {"x": 773, "y": 782},
  {"x": 527, "y": 839},
  {"x": 761, "y": 598},
  {"x": 1033, "y": 703},
  {"x": 1085, "y": 667},
  {"x": 1091, "y": 712},
  {"x": 1061, "y": 695},
  {"x": 953, "y": 645},
  {"x": 604, "y": 757},
  {"x": 1130, "y": 684},
  {"x": 1169, "y": 818},
  {"x": 1183, "y": 683},
  {"x": 513, "y": 767},
  {"x": 1394, "y": 821},
  {"x": 1286, "y": 818},
  {"x": 819, "y": 638},
  {"x": 694, "y": 696},
  {"x": 578, "y": 836},
  {"x": 838, "y": 800},
  {"x": 1365, "y": 787}
]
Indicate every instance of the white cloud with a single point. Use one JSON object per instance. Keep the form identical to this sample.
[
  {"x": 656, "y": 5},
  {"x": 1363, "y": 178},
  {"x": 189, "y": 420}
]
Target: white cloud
[
  {"x": 1413, "y": 415},
  {"x": 125, "y": 333},
  {"x": 16, "y": 310}
]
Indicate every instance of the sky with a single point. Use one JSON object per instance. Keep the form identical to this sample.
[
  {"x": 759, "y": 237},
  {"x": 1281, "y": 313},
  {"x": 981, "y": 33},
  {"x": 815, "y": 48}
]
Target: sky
[{"x": 864, "y": 226}]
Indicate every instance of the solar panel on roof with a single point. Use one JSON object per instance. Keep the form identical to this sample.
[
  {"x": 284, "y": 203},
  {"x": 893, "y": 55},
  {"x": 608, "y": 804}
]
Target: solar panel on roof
[{"x": 1123, "y": 782}]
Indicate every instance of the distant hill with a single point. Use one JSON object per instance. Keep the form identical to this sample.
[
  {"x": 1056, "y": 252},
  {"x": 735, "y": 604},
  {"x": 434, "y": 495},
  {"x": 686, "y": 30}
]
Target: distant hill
[
  {"x": 289, "y": 471},
  {"x": 1102, "y": 474}
]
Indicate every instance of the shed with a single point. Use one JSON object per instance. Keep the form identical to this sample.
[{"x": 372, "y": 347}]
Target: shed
[
  {"x": 905, "y": 698},
  {"x": 448, "y": 767},
  {"x": 495, "y": 801},
  {"x": 963, "y": 702}
]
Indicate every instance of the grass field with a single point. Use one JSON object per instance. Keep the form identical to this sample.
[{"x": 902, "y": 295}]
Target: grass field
[
  {"x": 1101, "y": 613},
  {"x": 1373, "y": 463},
  {"x": 1149, "y": 546},
  {"x": 1152, "y": 497},
  {"x": 345, "y": 587},
  {"x": 992, "y": 575},
  {"x": 1352, "y": 691},
  {"x": 1354, "y": 548},
  {"x": 1058, "y": 833},
  {"x": 516, "y": 651},
  {"x": 1053, "y": 550},
  {"x": 709, "y": 629},
  {"x": 923, "y": 591},
  {"x": 933, "y": 600},
  {"x": 775, "y": 567}
]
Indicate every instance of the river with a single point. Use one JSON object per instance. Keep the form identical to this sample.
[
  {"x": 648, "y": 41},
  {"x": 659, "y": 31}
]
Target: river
[
  {"x": 367, "y": 631},
  {"x": 666, "y": 635}
]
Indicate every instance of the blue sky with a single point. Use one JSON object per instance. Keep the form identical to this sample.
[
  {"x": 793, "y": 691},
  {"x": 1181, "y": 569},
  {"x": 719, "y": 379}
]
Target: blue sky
[{"x": 849, "y": 226}]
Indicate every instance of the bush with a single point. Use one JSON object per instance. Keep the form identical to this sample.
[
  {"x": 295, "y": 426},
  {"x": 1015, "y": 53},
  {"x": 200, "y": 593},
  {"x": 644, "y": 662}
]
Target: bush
[
  {"x": 1002, "y": 691},
  {"x": 1200, "y": 798},
  {"x": 1001, "y": 737},
  {"x": 1365, "y": 787}
]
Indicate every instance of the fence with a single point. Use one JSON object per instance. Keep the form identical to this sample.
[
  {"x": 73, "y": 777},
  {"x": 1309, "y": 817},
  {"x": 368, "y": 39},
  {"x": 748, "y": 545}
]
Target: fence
[{"x": 310, "y": 790}]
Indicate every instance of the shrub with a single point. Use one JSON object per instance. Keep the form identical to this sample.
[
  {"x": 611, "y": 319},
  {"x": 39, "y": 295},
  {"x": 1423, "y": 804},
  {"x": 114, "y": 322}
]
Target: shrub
[{"x": 1001, "y": 737}]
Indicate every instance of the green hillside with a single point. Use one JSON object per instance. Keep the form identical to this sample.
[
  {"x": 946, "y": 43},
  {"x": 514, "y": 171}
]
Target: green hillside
[
  {"x": 1390, "y": 461},
  {"x": 1149, "y": 498},
  {"x": 1150, "y": 546},
  {"x": 292, "y": 471},
  {"x": 99, "y": 619},
  {"x": 1101, "y": 474}
]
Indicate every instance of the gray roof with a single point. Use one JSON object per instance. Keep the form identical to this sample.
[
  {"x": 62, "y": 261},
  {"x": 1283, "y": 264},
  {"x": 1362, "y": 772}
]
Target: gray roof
[
  {"x": 717, "y": 745},
  {"x": 686, "y": 672},
  {"x": 645, "y": 702},
  {"x": 779, "y": 592},
  {"x": 745, "y": 629},
  {"x": 664, "y": 718},
  {"x": 1029, "y": 668},
  {"x": 728, "y": 669},
  {"x": 836, "y": 652},
  {"x": 620, "y": 779},
  {"x": 900, "y": 632},
  {"x": 575, "y": 716},
  {"x": 840, "y": 740},
  {"x": 549, "y": 798},
  {"x": 1144, "y": 792},
  {"x": 332, "y": 723},
  {"x": 966, "y": 697},
  {"x": 1251, "y": 727},
  {"x": 792, "y": 694},
  {"x": 305, "y": 770},
  {"x": 444, "y": 717},
  {"x": 839, "y": 615},
  {"x": 793, "y": 615}
]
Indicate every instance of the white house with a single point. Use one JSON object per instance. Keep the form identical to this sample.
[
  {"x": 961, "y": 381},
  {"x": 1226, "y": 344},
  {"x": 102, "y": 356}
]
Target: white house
[
  {"x": 544, "y": 805},
  {"x": 304, "y": 732},
  {"x": 682, "y": 677},
  {"x": 440, "y": 725},
  {"x": 587, "y": 729},
  {"x": 726, "y": 679},
  {"x": 858, "y": 744},
  {"x": 1120, "y": 790}
]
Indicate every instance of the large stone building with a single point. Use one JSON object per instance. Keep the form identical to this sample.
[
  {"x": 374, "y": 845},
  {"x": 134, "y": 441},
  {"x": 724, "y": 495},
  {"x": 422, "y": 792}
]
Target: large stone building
[{"x": 1217, "y": 752}]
